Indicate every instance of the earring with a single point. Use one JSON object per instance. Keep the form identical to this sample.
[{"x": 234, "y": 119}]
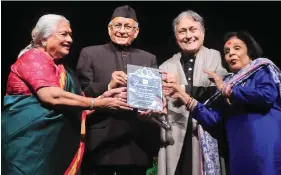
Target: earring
[{"x": 44, "y": 44}]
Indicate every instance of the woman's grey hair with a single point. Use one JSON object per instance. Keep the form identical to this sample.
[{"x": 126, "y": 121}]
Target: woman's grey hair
[
  {"x": 188, "y": 13},
  {"x": 45, "y": 27}
]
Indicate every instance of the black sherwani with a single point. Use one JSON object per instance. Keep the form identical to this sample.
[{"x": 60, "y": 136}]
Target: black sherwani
[{"x": 118, "y": 138}]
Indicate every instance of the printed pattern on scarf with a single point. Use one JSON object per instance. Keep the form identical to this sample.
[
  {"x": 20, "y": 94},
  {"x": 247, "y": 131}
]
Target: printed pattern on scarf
[
  {"x": 208, "y": 144},
  {"x": 209, "y": 153}
]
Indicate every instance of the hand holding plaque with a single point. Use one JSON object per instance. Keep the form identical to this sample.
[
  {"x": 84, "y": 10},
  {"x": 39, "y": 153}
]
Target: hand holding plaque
[{"x": 118, "y": 78}]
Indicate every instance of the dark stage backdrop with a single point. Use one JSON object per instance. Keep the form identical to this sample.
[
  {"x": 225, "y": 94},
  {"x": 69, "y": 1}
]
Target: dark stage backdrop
[{"x": 89, "y": 24}]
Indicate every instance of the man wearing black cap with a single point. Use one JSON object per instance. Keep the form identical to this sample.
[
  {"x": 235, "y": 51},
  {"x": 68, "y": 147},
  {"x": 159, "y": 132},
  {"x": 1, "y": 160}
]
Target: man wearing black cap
[{"x": 116, "y": 142}]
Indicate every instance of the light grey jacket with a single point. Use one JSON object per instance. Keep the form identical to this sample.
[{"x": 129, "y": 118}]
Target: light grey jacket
[{"x": 178, "y": 116}]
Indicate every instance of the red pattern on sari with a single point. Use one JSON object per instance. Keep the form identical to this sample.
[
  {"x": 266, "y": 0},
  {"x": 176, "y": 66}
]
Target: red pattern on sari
[
  {"x": 34, "y": 70},
  {"x": 31, "y": 71},
  {"x": 76, "y": 162}
]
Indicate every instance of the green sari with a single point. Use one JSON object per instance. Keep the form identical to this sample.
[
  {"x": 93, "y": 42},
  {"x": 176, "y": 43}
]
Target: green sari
[{"x": 39, "y": 140}]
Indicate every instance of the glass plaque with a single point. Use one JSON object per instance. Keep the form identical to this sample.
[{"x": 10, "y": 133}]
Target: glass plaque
[{"x": 144, "y": 88}]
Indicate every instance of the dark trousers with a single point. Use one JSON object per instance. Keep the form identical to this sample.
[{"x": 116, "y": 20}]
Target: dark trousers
[{"x": 119, "y": 170}]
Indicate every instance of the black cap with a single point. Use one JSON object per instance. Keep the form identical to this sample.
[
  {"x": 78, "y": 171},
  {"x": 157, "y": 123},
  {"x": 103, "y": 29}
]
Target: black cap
[{"x": 126, "y": 12}]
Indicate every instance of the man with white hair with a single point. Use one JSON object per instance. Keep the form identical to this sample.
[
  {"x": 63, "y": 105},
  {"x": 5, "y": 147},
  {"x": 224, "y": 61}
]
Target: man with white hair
[
  {"x": 118, "y": 142},
  {"x": 182, "y": 156}
]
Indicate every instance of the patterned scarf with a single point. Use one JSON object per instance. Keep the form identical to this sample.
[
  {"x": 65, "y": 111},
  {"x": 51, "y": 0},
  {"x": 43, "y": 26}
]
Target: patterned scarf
[{"x": 208, "y": 144}]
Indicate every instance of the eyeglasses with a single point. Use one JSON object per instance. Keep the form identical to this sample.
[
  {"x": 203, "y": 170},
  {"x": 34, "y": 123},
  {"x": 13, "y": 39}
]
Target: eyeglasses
[{"x": 127, "y": 28}]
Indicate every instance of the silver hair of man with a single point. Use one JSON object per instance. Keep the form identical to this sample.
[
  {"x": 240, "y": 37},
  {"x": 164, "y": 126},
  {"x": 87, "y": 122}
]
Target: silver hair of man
[
  {"x": 188, "y": 13},
  {"x": 45, "y": 27}
]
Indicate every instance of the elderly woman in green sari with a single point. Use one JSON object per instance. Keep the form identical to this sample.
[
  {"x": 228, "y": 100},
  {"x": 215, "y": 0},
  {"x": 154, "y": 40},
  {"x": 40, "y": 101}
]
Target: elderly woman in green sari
[{"x": 43, "y": 120}]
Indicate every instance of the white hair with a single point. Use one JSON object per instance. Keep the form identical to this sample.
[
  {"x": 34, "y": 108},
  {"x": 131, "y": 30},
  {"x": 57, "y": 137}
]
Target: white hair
[
  {"x": 189, "y": 13},
  {"x": 45, "y": 27}
]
